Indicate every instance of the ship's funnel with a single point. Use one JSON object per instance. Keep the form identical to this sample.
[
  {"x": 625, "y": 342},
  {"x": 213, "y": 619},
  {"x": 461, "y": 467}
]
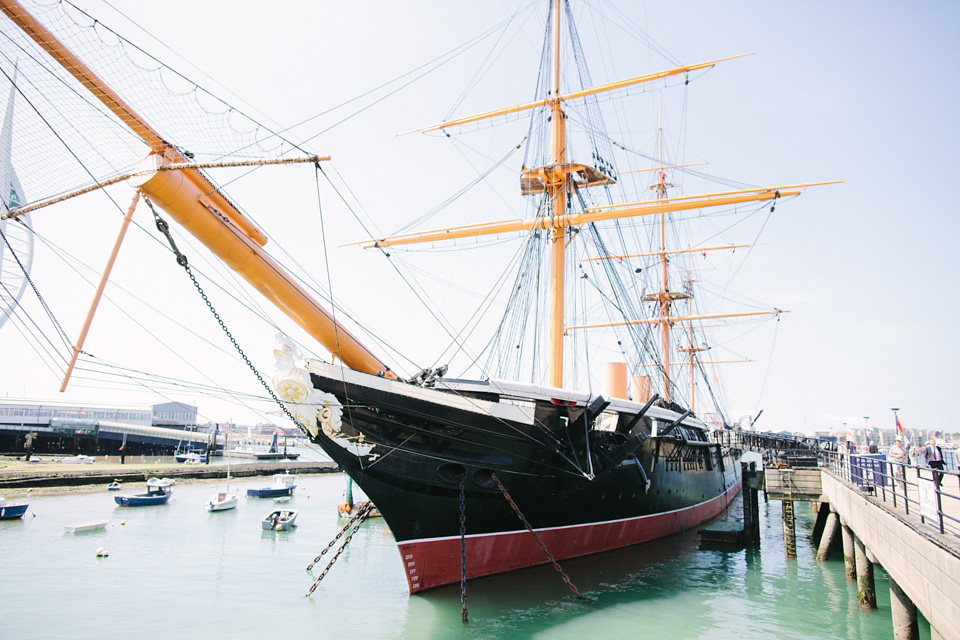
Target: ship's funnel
[
  {"x": 641, "y": 388},
  {"x": 615, "y": 379}
]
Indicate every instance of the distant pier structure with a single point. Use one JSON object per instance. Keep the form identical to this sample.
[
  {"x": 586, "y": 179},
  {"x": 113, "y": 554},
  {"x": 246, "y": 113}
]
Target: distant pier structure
[
  {"x": 55, "y": 428},
  {"x": 904, "y": 518}
]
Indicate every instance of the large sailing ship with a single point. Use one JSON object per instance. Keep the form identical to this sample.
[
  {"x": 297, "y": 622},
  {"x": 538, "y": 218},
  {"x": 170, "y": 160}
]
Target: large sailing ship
[
  {"x": 477, "y": 477},
  {"x": 487, "y": 475}
]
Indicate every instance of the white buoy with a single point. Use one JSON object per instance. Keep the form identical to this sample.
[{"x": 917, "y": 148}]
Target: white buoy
[{"x": 102, "y": 553}]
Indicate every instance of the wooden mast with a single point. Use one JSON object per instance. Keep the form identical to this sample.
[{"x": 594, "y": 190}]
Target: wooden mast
[
  {"x": 557, "y": 182},
  {"x": 192, "y": 200},
  {"x": 559, "y": 178},
  {"x": 664, "y": 297}
]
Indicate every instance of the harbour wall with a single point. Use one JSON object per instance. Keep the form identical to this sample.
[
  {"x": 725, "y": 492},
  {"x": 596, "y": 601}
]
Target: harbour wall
[{"x": 58, "y": 475}]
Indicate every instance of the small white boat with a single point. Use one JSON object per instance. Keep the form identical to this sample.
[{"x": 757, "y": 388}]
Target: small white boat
[
  {"x": 280, "y": 520},
  {"x": 80, "y": 459},
  {"x": 93, "y": 525},
  {"x": 114, "y": 486},
  {"x": 161, "y": 482},
  {"x": 222, "y": 501},
  {"x": 282, "y": 500}
]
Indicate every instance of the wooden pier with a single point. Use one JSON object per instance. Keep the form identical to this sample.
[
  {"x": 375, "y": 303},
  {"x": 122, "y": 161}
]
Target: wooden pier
[{"x": 923, "y": 564}]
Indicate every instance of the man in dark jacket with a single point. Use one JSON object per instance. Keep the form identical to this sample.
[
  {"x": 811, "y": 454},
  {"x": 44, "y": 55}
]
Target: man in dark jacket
[{"x": 935, "y": 459}]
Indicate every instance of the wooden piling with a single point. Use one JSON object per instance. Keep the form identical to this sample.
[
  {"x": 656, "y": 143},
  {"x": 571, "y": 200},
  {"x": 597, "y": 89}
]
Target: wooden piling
[
  {"x": 826, "y": 539},
  {"x": 904, "y": 614},
  {"x": 849, "y": 564},
  {"x": 751, "y": 503},
  {"x": 789, "y": 533},
  {"x": 866, "y": 591}
]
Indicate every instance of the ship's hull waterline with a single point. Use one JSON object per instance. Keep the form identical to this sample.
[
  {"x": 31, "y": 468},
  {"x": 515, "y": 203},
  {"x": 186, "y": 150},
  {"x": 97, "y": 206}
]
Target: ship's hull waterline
[{"x": 411, "y": 449}]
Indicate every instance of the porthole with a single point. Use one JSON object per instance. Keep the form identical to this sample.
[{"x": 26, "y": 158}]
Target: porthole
[{"x": 451, "y": 472}]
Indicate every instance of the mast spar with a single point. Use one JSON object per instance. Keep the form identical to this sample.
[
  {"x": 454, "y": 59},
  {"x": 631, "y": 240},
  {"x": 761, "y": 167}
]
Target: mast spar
[{"x": 194, "y": 202}]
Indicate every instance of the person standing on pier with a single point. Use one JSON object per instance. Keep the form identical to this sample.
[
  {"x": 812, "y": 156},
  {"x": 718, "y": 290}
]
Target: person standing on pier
[
  {"x": 898, "y": 457},
  {"x": 935, "y": 459}
]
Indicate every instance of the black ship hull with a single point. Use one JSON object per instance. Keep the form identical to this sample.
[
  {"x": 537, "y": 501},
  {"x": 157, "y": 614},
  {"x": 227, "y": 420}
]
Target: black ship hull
[{"x": 586, "y": 480}]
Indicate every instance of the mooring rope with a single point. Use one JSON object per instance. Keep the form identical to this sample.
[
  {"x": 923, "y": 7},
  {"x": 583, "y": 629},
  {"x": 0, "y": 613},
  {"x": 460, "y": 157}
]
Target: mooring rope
[{"x": 516, "y": 509}]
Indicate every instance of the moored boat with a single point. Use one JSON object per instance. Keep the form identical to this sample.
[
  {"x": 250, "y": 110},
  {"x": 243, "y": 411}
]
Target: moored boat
[
  {"x": 222, "y": 501},
  {"x": 348, "y": 506},
  {"x": 12, "y": 510},
  {"x": 114, "y": 486},
  {"x": 78, "y": 459},
  {"x": 283, "y": 484},
  {"x": 154, "y": 495},
  {"x": 280, "y": 520},
  {"x": 93, "y": 525}
]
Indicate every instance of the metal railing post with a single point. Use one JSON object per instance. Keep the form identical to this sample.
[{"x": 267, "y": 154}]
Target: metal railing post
[{"x": 936, "y": 488}]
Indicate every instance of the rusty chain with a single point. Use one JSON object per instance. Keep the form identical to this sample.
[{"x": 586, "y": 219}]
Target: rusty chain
[
  {"x": 355, "y": 521},
  {"x": 463, "y": 548},
  {"x": 164, "y": 228},
  {"x": 523, "y": 519}
]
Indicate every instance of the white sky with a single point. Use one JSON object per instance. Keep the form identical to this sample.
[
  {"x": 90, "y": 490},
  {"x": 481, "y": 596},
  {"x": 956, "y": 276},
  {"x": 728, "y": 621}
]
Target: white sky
[{"x": 862, "y": 92}]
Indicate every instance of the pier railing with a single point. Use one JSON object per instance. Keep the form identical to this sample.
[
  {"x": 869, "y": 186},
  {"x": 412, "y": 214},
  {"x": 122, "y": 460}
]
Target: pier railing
[{"x": 931, "y": 494}]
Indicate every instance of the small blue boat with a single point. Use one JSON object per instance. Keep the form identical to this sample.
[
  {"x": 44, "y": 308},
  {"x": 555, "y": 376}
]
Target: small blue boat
[
  {"x": 154, "y": 495},
  {"x": 283, "y": 485},
  {"x": 9, "y": 511}
]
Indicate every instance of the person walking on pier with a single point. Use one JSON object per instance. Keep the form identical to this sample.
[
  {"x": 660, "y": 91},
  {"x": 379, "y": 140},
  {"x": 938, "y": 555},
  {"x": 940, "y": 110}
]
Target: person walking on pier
[
  {"x": 935, "y": 459},
  {"x": 898, "y": 457}
]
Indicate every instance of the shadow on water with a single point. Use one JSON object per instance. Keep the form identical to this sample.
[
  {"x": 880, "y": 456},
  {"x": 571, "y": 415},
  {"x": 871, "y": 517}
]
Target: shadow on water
[{"x": 667, "y": 588}]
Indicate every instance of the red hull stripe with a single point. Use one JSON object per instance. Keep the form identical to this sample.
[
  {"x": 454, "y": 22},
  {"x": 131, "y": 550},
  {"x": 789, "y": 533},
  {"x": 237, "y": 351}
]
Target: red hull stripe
[{"x": 435, "y": 562}]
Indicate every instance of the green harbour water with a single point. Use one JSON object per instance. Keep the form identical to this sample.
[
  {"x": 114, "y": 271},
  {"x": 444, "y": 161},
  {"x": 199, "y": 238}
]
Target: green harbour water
[{"x": 177, "y": 571}]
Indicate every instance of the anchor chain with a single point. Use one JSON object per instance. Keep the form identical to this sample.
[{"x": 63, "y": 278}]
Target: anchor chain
[
  {"x": 523, "y": 519},
  {"x": 355, "y": 521},
  {"x": 463, "y": 548},
  {"x": 182, "y": 261}
]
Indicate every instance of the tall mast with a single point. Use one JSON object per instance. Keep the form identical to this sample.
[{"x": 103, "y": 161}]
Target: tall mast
[
  {"x": 664, "y": 297},
  {"x": 560, "y": 177},
  {"x": 692, "y": 350},
  {"x": 556, "y": 184}
]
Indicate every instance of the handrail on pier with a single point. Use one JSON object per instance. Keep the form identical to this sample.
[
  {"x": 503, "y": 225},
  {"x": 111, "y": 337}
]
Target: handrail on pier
[{"x": 891, "y": 482}]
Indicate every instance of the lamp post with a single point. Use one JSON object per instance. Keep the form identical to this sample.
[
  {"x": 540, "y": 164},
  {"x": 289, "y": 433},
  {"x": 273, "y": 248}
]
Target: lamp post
[{"x": 896, "y": 421}]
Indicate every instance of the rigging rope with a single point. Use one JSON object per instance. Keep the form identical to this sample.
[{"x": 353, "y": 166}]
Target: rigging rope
[{"x": 43, "y": 303}]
